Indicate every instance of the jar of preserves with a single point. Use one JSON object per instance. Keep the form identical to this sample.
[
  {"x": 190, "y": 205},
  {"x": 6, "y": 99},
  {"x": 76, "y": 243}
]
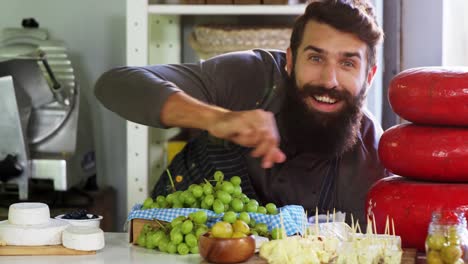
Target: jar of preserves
[{"x": 447, "y": 238}]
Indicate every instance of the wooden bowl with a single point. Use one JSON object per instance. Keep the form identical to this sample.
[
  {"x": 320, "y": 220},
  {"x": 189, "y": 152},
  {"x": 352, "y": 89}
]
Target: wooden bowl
[{"x": 226, "y": 250}]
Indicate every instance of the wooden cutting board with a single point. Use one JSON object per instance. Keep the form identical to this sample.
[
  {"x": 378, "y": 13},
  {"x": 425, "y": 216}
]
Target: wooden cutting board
[
  {"x": 41, "y": 250},
  {"x": 409, "y": 257}
]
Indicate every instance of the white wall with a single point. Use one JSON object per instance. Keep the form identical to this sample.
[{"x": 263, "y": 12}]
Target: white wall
[
  {"x": 421, "y": 33},
  {"x": 94, "y": 32},
  {"x": 374, "y": 96},
  {"x": 435, "y": 33},
  {"x": 455, "y": 37}
]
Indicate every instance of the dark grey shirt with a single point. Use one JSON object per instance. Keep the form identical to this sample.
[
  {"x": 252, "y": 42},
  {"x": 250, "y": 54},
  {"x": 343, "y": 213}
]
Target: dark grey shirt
[{"x": 245, "y": 81}]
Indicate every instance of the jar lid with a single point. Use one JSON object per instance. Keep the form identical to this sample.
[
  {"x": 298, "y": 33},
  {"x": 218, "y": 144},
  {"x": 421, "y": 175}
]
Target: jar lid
[{"x": 449, "y": 217}]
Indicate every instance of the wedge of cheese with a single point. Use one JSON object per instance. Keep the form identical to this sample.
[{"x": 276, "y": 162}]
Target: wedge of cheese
[
  {"x": 83, "y": 238},
  {"x": 49, "y": 233},
  {"x": 28, "y": 214}
]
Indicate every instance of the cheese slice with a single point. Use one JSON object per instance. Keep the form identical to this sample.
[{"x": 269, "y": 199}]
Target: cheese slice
[
  {"x": 29, "y": 214},
  {"x": 83, "y": 238},
  {"x": 33, "y": 235}
]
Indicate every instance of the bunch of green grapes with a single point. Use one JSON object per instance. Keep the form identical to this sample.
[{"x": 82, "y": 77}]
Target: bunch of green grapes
[
  {"x": 177, "y": 237},
  {"x": 224, "y": 196},
  {"x": 258, "y": 229}
]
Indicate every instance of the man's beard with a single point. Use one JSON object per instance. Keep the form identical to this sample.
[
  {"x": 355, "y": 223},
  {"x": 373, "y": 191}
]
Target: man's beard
[{"x": 325, "y": 134}]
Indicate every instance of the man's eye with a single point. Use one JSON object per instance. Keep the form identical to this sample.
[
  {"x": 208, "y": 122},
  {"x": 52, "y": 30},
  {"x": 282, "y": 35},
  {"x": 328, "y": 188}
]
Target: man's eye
[
  {"x": 348, "y": 64},
  {"x": 315, "y": 58}
]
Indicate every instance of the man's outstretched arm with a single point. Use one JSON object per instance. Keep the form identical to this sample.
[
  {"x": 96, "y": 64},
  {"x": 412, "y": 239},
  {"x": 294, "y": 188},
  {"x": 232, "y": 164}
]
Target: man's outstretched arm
[{"x": 216, "y": 95}]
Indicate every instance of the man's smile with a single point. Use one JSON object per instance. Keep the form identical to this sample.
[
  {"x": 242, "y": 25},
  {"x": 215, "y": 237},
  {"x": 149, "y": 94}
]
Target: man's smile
[{"x": 324, "y": 103}]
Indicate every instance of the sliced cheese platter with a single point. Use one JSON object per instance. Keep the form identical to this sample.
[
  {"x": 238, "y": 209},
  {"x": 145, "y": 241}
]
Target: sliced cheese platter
[{"x": 30, "y": 231}]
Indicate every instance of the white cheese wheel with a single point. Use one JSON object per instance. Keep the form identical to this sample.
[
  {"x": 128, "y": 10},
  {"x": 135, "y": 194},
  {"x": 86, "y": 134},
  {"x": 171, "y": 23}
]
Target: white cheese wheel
[
  {"x": 83, "y": 238},
  {"x": 33, "y": 235},
  {"x": 28, "y": 214}
]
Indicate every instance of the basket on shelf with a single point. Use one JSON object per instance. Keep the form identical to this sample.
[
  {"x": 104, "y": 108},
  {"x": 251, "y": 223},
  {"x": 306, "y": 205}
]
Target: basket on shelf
[{"x": 212, "y": 40}]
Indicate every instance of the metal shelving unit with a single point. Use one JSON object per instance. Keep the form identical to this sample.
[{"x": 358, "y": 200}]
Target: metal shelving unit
[{"x": 153, "y": 37}]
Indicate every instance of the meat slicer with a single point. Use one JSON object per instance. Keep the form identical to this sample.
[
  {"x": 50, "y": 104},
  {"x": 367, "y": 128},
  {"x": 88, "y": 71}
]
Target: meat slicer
[{"x": 45, "y": 130}]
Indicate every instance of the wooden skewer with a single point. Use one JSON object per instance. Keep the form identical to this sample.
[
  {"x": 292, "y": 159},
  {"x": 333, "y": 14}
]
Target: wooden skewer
[
  {"x": 385, "y": 242},
  {"x": 393, "y": 227},
  {"x": 352, "y": 227},
  {"x": 282, "y": 225},
  {"x": 304, "y": 225},
  {"x": 358, "y": 227},
  {"x": 316, "y": 222},
  {"x": 387, "y": 228},
  {"x": 334, "y": 215},
  {"x": 369, "y": 226},
  {"x": 369, "y": 230},
  {"x": 375, "y": 225},
  {"x": 311, "y": 230}
]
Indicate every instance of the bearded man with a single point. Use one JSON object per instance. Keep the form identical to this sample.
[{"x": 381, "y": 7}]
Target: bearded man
[{"x": 291, "y": 124}]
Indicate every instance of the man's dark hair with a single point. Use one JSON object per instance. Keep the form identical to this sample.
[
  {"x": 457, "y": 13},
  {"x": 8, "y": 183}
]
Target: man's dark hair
[{"x": 352, "y": 16}]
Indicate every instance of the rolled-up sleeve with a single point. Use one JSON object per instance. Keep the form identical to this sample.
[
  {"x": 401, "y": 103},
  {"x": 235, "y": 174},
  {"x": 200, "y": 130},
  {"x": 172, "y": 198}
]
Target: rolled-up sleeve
[
  {"x": 234, "y": 81},
  {"x": 134, "y": 93}
]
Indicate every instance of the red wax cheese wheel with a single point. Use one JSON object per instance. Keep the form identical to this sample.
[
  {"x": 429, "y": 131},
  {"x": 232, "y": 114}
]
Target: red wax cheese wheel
[
  {"x": 431, "y": 95},
  {"x": 425, "y": 152},
  {"x": 410, "y": 204}
]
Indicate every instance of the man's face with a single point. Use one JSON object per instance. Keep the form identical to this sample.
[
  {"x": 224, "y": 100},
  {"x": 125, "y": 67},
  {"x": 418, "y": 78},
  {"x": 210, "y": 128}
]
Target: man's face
[
  {"x": 333, "y": 60},
  {"x": 329, "y": 80}
]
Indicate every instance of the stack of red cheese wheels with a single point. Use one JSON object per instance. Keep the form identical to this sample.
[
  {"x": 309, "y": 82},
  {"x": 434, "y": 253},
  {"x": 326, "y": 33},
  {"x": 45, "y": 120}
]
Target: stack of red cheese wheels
[{"x": 430, "y": 152}]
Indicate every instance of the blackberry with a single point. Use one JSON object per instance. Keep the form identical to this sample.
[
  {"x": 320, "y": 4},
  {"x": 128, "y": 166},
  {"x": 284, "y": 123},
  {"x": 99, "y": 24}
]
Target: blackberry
[{"x": 77, "y": 214}]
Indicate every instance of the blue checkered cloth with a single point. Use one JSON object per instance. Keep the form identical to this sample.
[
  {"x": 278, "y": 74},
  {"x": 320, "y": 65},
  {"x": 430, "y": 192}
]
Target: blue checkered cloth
[{"x": 293, "y": 216}]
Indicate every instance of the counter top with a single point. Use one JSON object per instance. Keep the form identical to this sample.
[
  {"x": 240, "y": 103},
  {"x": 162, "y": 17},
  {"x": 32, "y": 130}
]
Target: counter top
[{"x": 117, "y": 250}]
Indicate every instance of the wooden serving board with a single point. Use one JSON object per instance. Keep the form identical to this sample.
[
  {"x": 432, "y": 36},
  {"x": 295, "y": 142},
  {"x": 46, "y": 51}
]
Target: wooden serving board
[
  {"x": 41, "y": 250},
  {"x": 409, "y": 257}
]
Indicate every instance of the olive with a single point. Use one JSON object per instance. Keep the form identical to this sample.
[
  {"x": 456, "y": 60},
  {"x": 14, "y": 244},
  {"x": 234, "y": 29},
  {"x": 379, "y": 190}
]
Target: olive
[
  {"x": 452, "y": 236},
  {"x": 451, "y": 253},
  {"x": 435, "y": 241},
  {"x": 433, "y": 257}
]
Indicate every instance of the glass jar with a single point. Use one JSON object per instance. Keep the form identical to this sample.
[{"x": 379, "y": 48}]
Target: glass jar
[{"x": 447, "y": 238}]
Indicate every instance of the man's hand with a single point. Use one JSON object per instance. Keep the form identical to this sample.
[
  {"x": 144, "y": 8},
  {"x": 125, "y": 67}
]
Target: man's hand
[{"x": 254, "y": 128}]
